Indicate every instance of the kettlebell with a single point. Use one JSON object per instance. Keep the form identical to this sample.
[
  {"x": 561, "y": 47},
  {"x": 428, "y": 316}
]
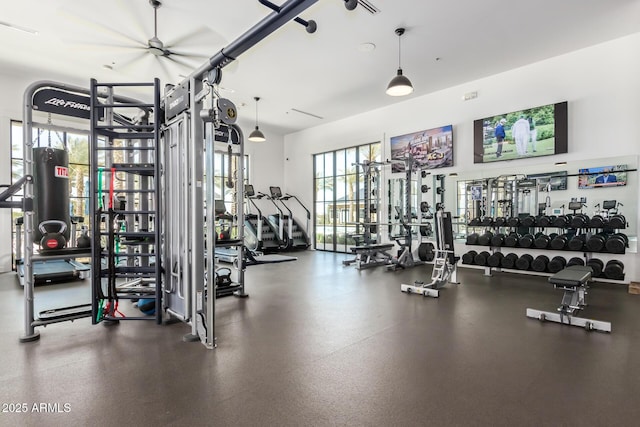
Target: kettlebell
[
  {"x": 53, "y": 240},
  {"x": 83, "y": 241}
]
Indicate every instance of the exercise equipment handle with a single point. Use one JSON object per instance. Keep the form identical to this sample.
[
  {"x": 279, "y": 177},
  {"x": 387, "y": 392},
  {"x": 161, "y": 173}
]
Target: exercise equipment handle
[{"x": 61, "y": 224}]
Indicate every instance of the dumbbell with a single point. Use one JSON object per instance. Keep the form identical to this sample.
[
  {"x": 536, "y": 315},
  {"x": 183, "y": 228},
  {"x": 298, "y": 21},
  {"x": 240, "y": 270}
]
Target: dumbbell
[
  {"x": 596, "y": 265},
  {"x": 556, "y": 264},
  {"x": 596, "y": 242},
  {"x": 497, "y": 240},
  {"x": 526, "y": 241},
  {"x": 524, "y": 262},
  {"x": 474, "y": 222},
  {"x": 575, "y": 261},
  {"x": 487, "y": 221},
  {"x": 495, "y": 259},
  {"x": 512, "y": 239},
  {"x": 616, "y": 243},
  {"x": 541, "y": 241},
  {"x": 577, "y": 242},
  {"x": 514, "y": 221},
  {"x": 580, "y": 221},
  {"x": 617, "y": 221},
  {"x": 472, "y": 239},
  {"x": 528, "y": 221},
  {"x": 598, "y": 221},
  {"x": 614, "y": 270},
  {"x": 559, "y": 242},
  {"x": 500, "y": 221},
  {"x": 562, "y": 221},
  {"x": 546, "y": 220},
  {"x": 509, "y": 260},
  {"x": 540, "y": 263},
  {"x": 485, "y": 239},
  {"x": 469, "y": 257},
  {"x": 481, "y": 258}
]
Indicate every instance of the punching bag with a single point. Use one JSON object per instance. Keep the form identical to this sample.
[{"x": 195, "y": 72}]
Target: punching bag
[{"x": 50, "y": 190}]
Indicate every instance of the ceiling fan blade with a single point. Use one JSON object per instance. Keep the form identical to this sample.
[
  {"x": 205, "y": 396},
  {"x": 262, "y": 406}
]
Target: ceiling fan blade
[
  {"x": 96, "y": 26},
  {"x": 168, "y": 77},
  {"x": 190, "y": 55},
  {"x": 201, "y": 36},
  {"x": 121, "y": 64},
  {"x": 180, "y": 62}
]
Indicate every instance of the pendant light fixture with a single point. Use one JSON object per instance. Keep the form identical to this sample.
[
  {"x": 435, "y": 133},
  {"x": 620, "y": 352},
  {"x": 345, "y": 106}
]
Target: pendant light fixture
[
  {"x": 257, "y": 135},
  {"x": 400, "y": 85}
]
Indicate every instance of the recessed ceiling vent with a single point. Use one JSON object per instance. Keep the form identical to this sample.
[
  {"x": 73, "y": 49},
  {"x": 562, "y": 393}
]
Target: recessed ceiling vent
[{"x": 368, "y": 6}]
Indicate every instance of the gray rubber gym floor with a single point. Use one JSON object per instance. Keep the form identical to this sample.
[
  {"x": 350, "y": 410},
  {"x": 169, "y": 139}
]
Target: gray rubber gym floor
[{"x": 321, "y": 344}]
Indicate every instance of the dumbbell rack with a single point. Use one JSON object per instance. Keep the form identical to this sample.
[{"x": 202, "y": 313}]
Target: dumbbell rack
[
  {"x": 487, "y": 240},
  {"x": 126, "y": 262}
]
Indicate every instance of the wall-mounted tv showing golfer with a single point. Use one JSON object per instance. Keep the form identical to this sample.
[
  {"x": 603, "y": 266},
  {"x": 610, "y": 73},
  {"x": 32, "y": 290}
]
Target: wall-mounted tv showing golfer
[
  {"x": 602, "y": 176},
  {"x": 431, "y": 148},
  {"x": 539, "y": 131}
]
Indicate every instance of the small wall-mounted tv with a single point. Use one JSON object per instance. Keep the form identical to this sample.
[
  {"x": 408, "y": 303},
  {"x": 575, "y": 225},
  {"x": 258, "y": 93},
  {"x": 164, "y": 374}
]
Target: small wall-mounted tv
[
  {"x": 553, "y": 181},
  {"x": 431, "y": 148},
  {"x": 602, "y": 176},
  {"x": 539, "y": 131}
]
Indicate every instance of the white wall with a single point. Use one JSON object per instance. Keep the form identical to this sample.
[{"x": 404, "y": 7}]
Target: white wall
[
  {"x": 265, "y": 159},
  {"x": 600, "y": 83}
]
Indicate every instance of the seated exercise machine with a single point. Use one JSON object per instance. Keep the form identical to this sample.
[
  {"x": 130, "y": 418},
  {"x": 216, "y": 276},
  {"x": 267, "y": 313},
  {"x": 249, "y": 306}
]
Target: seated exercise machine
[
  {"x": 573, "y": 281},
  {"x": 444, "y": 263}
]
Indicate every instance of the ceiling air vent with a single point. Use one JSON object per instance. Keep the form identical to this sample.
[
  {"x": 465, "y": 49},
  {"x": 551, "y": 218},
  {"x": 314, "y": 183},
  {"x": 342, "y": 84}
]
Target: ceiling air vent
[
  {"x": 308, "y": 114},
  {"x": 368, "y": 6}
]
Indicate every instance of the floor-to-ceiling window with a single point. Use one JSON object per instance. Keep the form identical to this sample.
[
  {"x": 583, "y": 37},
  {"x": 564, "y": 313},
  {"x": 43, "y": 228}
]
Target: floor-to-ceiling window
[{"x": 339, "y": 195}]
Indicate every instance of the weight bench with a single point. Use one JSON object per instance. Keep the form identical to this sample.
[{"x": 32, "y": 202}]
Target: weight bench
[
  {"x": 574, "y": 282},
  {"x": 368, "y": 256}
]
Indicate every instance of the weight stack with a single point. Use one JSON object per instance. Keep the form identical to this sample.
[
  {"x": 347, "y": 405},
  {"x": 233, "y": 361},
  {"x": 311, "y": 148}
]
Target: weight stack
[{"x": 50, "y": 189}]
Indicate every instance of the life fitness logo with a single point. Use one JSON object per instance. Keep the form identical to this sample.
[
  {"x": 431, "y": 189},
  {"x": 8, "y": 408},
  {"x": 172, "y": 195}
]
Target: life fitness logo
[{"x": 61, "y": 172}]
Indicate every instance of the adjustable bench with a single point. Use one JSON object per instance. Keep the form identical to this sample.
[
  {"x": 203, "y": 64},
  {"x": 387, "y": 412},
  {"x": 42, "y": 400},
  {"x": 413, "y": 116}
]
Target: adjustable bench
[
  {"x": 368, "y": 256},
  {"x": 573, "y": 281}
]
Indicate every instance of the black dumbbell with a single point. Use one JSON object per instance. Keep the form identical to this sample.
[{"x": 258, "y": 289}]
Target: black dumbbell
[
  {"x": 598, "y": 221},
  {"x": 474, "y": 222},
  {"x": 469, "y": 257},
  {"x": 472, "y": 239},
  {"x": 596, "y": 265},
  {"x": 595, "y": 243},
  {"x": 500, "y": 221},
  {"x": 562, "y": 221},
  {"x": 509, "y": 260},
  {"x": 580, "y": 221},
  {"x": 514, "y": 221},
  {"x": 497, "y": 240},
  {"x": 485, "y": 239},
  {"x": 486, "y": 221},
  {"x": 616, "y": 243},
  {"x": 540, "y": 263},
  {"x": 528, "y": 221},
  {"x": 614, "y": 270},
  {"x": 495, "y": 259},
  {"x": 575, "y": 261},
  {"x": 481, "y": 258},
  {"x": 546, "y": 220},
  {"x": 526, "y": 241},
  {"x": 541, "y": 241},
  {"x": 559, "y": 242},
  {"x": 524, "y": 262},
  {"x": 577, "y": 242},
  {"x": 617, "y": 221},
  {"x": 556, "y": 264},
  {"x": 512, "y": 239}
]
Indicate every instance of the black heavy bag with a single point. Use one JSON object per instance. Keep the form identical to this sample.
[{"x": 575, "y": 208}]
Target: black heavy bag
[{"x": 50, "y": 190}]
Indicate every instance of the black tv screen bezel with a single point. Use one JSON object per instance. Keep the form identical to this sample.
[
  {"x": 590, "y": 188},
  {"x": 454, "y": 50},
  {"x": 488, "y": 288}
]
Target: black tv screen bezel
[{"x": 561, "y": 134}]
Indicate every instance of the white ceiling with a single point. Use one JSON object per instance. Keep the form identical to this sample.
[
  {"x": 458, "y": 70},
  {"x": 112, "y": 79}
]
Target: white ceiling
[{"x": 446, "y": 43}]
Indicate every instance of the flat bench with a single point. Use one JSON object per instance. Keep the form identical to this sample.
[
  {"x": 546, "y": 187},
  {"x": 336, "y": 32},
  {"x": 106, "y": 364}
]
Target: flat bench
[
  {"x": 368, "y": 256},
  {"x": 375, "y": 247},
  {"x": 574, "y": 281}
]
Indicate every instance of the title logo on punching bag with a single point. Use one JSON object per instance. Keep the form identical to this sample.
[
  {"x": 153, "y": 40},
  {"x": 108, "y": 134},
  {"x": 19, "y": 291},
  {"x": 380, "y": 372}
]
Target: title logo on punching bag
[{"x": 61, "y": 172}]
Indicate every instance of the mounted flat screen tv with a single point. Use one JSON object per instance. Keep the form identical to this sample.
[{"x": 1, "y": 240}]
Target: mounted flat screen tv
[
  {"x": 602, "y": 176},
  {"x": 534, "y": 132},
  {"x": 432, "y": 148}
]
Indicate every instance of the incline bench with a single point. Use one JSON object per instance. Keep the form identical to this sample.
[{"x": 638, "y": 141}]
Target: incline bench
[
  {"x": 574, "y": 281},
  {"x": 368, "y": 256}
]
